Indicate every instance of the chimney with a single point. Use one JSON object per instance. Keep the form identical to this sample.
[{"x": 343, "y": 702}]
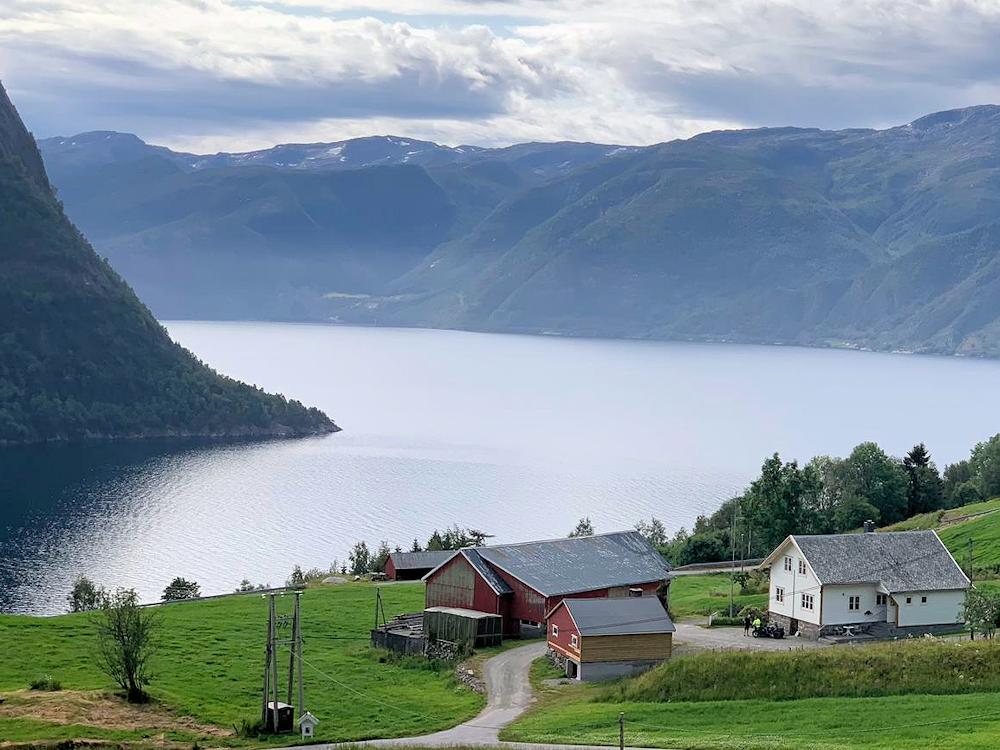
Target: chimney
[{"x": 869, "y": 527}]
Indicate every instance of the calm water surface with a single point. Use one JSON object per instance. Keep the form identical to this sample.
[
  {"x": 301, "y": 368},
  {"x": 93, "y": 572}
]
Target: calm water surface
[{"x": 517, "y": 435}]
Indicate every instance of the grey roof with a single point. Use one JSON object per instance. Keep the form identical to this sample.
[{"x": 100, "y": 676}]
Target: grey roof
[
  {"x": 473, "y": 614},
  {"x": 628, "y": 616},
  {"x": 419, "y": 560},
  {"x": 489, "y": 575},
  {"x": 899, "y": 560},
  {"x": 585, "y": 563}
]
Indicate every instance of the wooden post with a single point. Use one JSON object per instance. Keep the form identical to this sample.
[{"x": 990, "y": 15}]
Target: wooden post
[
  {"x": 274, "y": 665},
  {"x": 732, "y": 566},
  {"x": 298, "y": 646},
  {"x": 267, "y": 671},
  {"x": 621, "y": 731}
]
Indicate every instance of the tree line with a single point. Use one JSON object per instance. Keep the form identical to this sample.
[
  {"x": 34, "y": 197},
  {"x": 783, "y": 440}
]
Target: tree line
[{"x": 833, "y": 495}]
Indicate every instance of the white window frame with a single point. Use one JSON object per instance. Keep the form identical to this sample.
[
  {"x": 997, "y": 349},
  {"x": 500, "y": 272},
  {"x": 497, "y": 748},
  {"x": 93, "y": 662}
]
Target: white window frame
[
  {"x": 555, "y": 630},
  {"x": 573, "y": 640},
  {"x": 807, "y": 601},
  {"x": 923, "y": 600},
  {"x": 788, "y": 563},
  {"x": 802, "y": 567},
  {"x": 854, "y": 603},
  {"x": 909, "y": 600},
  {"x": 881, "y": 600},
  {"x": 779, "y": 594}
]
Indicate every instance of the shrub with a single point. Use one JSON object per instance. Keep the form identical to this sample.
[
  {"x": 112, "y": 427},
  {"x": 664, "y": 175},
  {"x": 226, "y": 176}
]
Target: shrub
[{"x": 47, "y": 683}]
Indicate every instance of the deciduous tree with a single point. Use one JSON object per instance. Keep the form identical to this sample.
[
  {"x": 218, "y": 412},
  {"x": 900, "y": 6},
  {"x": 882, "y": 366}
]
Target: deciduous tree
[{"x": 125, "y": 641}]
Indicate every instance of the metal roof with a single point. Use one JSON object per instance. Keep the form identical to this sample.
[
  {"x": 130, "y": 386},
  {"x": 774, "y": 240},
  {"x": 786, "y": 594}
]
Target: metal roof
[
  {"x": 585, "y": 563},
  {"x": 498, "y": 584},
  {"x": 628, "y": 616},
  {"x": 473, "y": 614},
  {"x": 418, "y": 560},
  {"x": 898, "y": 560}
]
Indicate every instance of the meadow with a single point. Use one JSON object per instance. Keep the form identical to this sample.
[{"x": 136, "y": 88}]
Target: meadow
[{"x": 208, "y": 669}]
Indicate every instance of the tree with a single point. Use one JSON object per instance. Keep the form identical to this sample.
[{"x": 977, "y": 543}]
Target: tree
[
  {"x": 380, "y": 558},
  {"x": 778, "y": 503},
  {"x": 85, "y": 596},
  {"x": 436, "y": 542},
  {"x": 246, "y": 586},
  {"x": 654, "y": 532},
  {"x": 924, "y": 488},
  {"x": 297, "y": 578},
  {"x": 873, "y": 476},
  {"x": 707, "y": 547},
  {"x": 583, "y": 528},
  {"x": 416, "y": 546},
  {"x": 125, "y": 641},
  {"x": 956, "y": 475},
  {"x": 985, "y": 465},
  {"x": 360, "y": 558},
  {"x": 853, "y": 512},
  {"x": 179, "y": 589},
  {"x": 982, "y": 612}
]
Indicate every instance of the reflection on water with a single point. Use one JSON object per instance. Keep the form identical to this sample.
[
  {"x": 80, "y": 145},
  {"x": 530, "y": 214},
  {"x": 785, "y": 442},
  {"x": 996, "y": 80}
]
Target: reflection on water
[{"x": 517, "y": 435}]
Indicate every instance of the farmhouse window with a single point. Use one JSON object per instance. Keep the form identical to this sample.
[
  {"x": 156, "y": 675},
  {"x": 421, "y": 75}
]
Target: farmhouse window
[
  {"x": 573, "y": 640},
  {"x": 807, "y": 601},
  {"x": 555, "y": 630},
  {"x": 923, "y": 600},
  {"x": 879, "y": 600},
  {"x": 802, "y": 567},
  {"x": 909, "y": 600},
  {"x": 779, "y": 594},
  {"x": 855, "y": 603},
  {"x": 788, "y": 563}
]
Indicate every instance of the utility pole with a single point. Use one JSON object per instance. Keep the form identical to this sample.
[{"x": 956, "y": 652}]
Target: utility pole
[
  {"x": 621, "y": 730},
  {"x": 294, "y": 643},
  {"x": 732, "y": 567},
  {"x": 970, "y": 559}
]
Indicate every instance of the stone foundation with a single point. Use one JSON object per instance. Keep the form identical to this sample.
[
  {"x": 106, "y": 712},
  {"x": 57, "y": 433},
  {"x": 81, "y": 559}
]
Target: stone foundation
[{"x": 806, "y": 629}]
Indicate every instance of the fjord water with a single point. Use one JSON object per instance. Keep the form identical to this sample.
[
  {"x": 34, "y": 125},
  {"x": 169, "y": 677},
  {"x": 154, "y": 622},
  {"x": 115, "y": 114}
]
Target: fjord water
[{"x": 517, "y": 435}]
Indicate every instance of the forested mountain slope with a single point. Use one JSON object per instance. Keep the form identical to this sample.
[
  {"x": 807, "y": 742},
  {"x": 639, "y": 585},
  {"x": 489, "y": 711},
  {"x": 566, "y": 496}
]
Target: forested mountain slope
[
  {"x": 878, "y": 238},
  {"x": 80, "y": 356}
]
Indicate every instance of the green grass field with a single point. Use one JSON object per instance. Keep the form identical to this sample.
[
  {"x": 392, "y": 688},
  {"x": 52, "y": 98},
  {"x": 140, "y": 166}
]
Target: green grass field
[
  {"x": 210, "y": 662},
  {"x": 696, "y": 596},
  {"x": 911, "y": 722}
]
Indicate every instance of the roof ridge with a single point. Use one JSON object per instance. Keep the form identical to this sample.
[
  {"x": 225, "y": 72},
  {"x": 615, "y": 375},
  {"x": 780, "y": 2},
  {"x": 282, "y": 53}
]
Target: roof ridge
[{"x": 557, "y": 539}]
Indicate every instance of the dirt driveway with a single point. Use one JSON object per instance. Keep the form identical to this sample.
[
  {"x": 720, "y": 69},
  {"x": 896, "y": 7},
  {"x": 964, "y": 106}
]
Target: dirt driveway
[{"x": 691, "y": 637}]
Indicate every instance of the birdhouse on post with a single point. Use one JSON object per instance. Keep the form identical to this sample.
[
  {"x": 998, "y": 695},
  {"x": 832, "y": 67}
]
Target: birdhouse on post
[{"x": 307, "y": 724}]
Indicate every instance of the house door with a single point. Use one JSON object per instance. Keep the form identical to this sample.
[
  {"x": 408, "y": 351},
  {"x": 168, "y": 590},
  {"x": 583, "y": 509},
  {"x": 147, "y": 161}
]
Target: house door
[
  {"x": 793, "y": 625},
  {"x": 572, "y": 669}
]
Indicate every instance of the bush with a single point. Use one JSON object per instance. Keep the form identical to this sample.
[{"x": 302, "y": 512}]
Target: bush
[
  {"x": 46, "y": 683},
  {"x": 723, "y": 621}
]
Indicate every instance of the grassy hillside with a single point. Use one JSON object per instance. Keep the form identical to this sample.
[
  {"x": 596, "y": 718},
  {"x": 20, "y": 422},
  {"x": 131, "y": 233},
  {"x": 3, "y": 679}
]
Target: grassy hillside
[
  {"x": 210, "y": 662},
  {"x": 903, "y": 667},
  {"x": 698, "y": 596},
  {"x": 886, "y": 696},
  {"x": 979, "y": 522}
]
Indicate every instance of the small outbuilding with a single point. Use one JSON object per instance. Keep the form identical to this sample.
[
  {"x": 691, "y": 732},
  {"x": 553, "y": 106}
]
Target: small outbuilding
[
  {"x": 412, "y": 566},
  {"x": 599, "y": 639},
  {"x": 466, "y": 628}
]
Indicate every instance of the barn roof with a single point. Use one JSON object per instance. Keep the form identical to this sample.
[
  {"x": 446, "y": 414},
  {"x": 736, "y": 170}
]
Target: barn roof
[
  {"x": 898, "y": 560},
  {"x": 489, "y": 575},
  {"x": 419, "y": 560},
  {"x": 585, "y": 563},
  {"x": 628, "y": 616}
]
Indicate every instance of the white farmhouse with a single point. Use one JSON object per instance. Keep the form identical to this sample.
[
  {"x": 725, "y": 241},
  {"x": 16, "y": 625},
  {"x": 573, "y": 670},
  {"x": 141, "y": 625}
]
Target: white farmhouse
[{"x": 897, "y": 583}]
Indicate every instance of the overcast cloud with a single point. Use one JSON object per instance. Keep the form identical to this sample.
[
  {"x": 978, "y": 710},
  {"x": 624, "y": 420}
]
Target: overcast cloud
[{"x": 210, "y": 75}]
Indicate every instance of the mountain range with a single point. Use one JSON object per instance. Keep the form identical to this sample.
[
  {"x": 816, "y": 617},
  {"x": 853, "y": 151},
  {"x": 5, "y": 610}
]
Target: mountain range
[
  {"x": 885, "y": 239},
  {"x": 80, "y": 355}
]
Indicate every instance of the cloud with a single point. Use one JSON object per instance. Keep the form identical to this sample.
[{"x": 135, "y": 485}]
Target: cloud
[{"x": 206, "y": 74}]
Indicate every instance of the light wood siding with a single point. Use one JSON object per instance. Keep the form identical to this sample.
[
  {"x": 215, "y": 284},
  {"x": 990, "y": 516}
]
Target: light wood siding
[{"x": 595, "y": 648}]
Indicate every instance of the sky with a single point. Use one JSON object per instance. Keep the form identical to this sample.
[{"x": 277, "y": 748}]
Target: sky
[{"x": 233, "y": 75}]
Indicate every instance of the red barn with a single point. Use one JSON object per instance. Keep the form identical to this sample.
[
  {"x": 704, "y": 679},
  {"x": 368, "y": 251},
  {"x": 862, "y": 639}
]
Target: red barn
[
  {"x": 412, "y": 566},
  {"x": 523, "y": 582}
]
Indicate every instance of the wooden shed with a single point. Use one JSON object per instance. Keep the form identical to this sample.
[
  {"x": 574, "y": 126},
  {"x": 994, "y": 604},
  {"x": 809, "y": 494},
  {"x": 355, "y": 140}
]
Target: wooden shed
[
  {"x": 467, "y": 628},
  {"x": 598, "y": 639}
]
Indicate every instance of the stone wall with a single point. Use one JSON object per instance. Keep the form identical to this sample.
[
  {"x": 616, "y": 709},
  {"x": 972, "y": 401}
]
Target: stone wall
[{"x": 806, "y": 629}]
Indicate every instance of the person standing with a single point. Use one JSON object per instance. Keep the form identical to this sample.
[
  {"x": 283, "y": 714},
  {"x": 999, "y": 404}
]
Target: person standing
[{"x": 746, "y": 625}]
